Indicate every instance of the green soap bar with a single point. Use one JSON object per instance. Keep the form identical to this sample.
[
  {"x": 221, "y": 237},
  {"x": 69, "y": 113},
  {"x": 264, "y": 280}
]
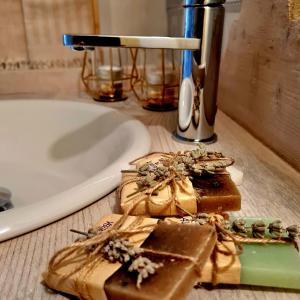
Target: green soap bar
[{"x": 274, "y": 265}]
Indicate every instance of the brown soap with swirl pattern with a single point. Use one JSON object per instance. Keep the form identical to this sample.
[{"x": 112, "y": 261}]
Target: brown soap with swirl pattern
[{"x": 177, "y": 275}]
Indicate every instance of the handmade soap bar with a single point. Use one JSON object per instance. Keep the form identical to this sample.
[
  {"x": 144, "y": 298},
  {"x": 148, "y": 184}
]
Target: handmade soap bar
[
  {"x": 94, "y": 283},
  {"x": 174, "y": 245},
  {"x": 221, "y": 259},
  {"x": 275, "y": 265},
  {"x": 159, "y": 204},
  {"x": 206, "y": 192},
  {"x": 178, "y": 274},
  {"x": 217, "y": 193}
]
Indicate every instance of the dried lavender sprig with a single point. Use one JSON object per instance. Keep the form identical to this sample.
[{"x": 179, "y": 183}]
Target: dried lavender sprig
[{"x": 144, "y": 267}]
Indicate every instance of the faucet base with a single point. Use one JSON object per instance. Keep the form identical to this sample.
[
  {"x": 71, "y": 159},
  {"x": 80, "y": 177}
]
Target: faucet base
[{"x": 181, "y": 139}]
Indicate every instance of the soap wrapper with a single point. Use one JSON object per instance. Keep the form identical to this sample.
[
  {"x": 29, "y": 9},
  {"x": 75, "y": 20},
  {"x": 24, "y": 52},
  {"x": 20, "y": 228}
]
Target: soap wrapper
[
  {"x": 159, "y": 204},
  {"x": 96, "y": 280}
]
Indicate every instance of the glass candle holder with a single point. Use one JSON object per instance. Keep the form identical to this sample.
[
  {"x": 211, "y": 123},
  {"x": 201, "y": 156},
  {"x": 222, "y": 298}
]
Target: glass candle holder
[
  {"x": 110, "y": 85},
  {"x": 158, "y": 84},
  {"x": 105, "y": 76}
]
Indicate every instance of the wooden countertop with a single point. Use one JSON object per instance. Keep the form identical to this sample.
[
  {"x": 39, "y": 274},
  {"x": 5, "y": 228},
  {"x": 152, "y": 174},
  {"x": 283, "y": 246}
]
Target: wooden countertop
[{"x": 270, "y": 188}]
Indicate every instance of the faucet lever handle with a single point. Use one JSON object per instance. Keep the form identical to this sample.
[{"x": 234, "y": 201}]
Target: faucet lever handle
[{"x": 79, "y": 42}]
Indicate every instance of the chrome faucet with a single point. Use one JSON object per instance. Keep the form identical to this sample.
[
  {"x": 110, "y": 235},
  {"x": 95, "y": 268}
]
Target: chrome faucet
[{"x": 201, "y": 45}]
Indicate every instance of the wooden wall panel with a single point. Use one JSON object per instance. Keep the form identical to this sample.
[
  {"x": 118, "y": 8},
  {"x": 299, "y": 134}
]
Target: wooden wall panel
[
  {"x": 47, "y": 20},
  {"x": 12, "y": 31},
  {"x": 260, "y": 76},
  {"x": 33, "y": 60}
]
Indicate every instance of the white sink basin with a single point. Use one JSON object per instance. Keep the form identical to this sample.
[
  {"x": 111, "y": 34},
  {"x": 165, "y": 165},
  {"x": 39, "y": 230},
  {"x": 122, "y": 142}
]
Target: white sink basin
[{"x": 59, "y": 156}]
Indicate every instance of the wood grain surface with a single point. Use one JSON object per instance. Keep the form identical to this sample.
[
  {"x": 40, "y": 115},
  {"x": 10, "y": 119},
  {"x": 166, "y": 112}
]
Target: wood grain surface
[
  {"x": 260, "y": 75},
  {"x": 270, "y": 188}
]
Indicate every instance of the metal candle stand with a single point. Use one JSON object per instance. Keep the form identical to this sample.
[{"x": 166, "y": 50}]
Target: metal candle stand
[{"x": 157, "y": 88}]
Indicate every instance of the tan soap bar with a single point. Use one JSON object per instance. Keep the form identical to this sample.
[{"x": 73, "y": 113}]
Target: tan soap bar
[
  {"x": 160, "y": 203},
  {"x": 177, "y": 275},
  {"x": 217, "y": 193}
]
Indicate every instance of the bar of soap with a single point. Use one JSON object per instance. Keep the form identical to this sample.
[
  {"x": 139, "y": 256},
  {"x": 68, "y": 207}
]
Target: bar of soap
[
  {"x": 217, "y": 193},
  {"x": 274, "y": 265},
  {"x": 94, "y": 283},
  {"x": 177, "y": 276},
  {"x": 159, "y": 206}
]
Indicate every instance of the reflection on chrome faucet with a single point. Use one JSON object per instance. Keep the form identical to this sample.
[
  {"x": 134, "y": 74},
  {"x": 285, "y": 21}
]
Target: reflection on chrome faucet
[{"x": 200, "y": 70}]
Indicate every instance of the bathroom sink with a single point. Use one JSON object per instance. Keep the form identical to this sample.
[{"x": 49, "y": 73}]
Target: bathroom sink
[{"x": 58, "y": 156}]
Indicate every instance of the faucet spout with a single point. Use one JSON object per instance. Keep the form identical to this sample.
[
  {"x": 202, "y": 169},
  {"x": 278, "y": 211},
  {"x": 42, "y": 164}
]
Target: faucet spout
[{"x": 80, "y": 42}]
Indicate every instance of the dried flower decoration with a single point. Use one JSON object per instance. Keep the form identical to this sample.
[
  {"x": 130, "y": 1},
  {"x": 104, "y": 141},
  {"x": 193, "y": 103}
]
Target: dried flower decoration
[
  {"x": 184, "y": 159},
  {"x": 144, "y": 267},
  {"x": 276, "y": 229},
  {"x": 197, "y": 162},
  {"x": 255, "y": 231},
  {"x": 84, "y": 235},
  {"x": 199, "y": 152},
  {"x": 239, "y": 227},
  {"x": 293, "y": 232},
  {"x": 258, "y": 229},
  {"x": 120, "y": 250},
  {"x": 147, "y": 181},
  {"x": 226, "y": 224},
  {"x": 201, "y": 218},
  {"x": 210, "y": 167}
]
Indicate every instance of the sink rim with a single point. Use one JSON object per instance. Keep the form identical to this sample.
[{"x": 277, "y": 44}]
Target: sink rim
[{"x": 55, "y": 207}]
